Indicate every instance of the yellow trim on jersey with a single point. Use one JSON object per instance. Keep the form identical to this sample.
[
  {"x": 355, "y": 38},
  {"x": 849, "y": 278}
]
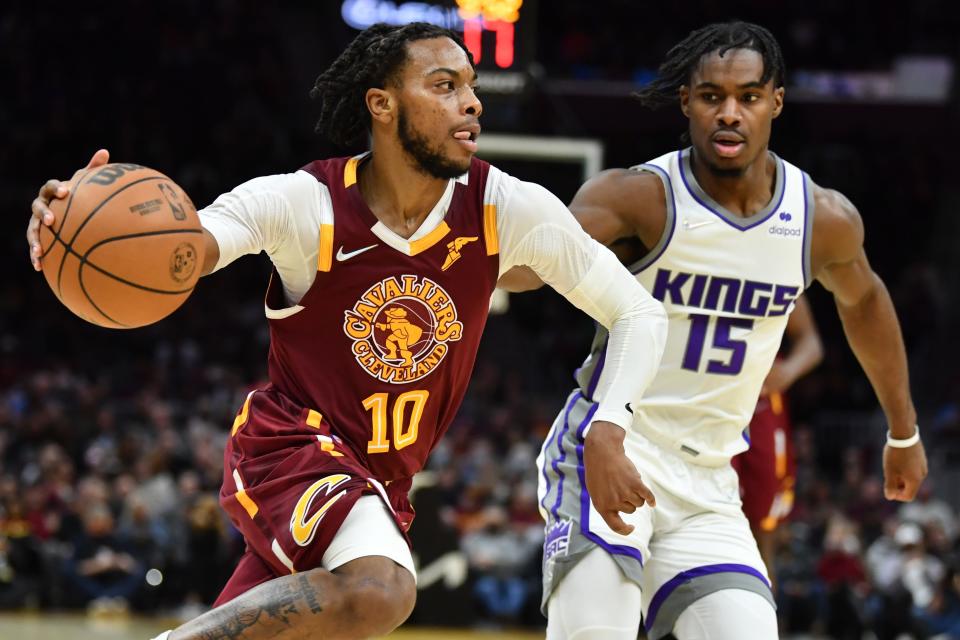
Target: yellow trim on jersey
[
  {"x": 490, "y": 229},
  {"x": 327, "y": 446},
  {"x": 241, "y": 419},
  {"x": 325, "y": 252},
  {"x": 427, "y": 241},
  {"x": 776, "y": 402},
  {"x": 314, "y": 419},
  {"x": 241, "y": 495},
  {"x": 350, "y": 172}
]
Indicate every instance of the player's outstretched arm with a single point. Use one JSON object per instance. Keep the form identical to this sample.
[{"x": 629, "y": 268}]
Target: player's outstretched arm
[
  {"x": 538, "y": 232},
  {"x": 58, "y": 190},
  {"x": 873, "y": 332}
]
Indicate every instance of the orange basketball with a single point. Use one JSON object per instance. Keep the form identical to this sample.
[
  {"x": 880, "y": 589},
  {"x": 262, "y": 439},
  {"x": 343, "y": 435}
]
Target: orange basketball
[{"x": 125, "y": 249}]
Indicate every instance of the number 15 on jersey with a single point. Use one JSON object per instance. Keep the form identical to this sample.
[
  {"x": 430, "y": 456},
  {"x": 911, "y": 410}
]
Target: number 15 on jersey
[{"x": 722, "y": 340}]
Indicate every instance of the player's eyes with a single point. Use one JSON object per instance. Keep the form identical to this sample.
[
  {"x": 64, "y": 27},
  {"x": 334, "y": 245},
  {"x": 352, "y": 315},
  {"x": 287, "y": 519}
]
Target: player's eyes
[
  {"x": 751, "y": 97},
  {"x": 446, "y": 84}
]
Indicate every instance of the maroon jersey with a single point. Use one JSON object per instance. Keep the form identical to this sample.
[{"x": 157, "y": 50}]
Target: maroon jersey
[
  {"x": 384, "y": 344},
  {"x": 767, "y": 469}
]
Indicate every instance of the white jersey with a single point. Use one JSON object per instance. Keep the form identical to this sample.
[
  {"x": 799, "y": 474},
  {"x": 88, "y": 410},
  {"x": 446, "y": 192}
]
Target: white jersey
[{"x": 728, "y": 284}]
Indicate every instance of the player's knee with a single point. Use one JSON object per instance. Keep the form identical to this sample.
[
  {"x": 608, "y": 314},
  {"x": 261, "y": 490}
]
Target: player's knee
[{"x": 379, "y": 605}]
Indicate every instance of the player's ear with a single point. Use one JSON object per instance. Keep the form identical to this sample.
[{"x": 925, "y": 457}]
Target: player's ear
[
  {"x": 685, "y": 100},
  {"x": 381, "y": 104},
  {"x": 777, "y": 101}
]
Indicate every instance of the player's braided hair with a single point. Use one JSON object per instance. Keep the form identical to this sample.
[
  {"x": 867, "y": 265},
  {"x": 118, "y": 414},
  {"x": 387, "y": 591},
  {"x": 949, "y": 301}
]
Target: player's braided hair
[
  {"x": 682, "y": 59},
  {"x": 371, "y": 60}
]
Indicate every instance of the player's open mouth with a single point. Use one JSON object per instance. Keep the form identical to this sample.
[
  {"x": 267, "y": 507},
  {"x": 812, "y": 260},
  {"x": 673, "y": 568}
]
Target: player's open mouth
[
  {"x": 728, "y": 148},
  {"x": 728, "y": 145}
]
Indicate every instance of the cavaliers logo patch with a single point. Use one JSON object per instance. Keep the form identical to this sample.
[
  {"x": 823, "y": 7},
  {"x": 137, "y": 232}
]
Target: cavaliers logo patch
[{"x": 400, "y": 328}]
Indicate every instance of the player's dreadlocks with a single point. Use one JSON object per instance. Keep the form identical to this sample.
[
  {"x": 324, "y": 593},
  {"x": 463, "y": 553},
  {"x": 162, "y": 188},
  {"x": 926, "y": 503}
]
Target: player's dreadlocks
[
  {"x": 371, "y": 60},
  {"x": 682, "y": 59}
]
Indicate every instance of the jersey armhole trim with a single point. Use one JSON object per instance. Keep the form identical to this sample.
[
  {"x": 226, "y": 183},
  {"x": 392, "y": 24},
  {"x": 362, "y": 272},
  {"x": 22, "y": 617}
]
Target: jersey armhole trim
[
  {"x": 490, "y": 237},
  {"x": 325, "y": 252},
  {"x": 669, "y": 225},
  {"x": 808, "y": 213},
  {"x": 325, "y": 247}
]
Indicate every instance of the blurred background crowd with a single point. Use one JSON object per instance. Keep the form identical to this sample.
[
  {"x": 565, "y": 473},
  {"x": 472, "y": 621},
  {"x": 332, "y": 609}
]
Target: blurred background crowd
[{"x": 111, "y": 442}]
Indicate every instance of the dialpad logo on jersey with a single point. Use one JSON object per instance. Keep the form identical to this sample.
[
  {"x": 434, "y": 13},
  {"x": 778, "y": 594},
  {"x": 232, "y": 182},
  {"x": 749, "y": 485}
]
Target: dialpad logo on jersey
[
  {"x": 400, "y": 328},
  {"x": 784, "y": 231}
]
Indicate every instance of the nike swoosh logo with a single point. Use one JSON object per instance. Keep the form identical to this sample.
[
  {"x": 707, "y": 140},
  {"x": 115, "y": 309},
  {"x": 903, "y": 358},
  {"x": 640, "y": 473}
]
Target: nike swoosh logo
[
  {"x": 693, "y": 225},
  {"x": 341, "y": 256}
]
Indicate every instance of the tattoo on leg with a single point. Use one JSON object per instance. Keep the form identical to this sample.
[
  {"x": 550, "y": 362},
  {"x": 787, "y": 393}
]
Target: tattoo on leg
[
  {"x": 309, "y": 594},
  {"x": 279, "y": 602},
  {"x": 232, "y": 626},
  {"x": 282, "y": 603}
]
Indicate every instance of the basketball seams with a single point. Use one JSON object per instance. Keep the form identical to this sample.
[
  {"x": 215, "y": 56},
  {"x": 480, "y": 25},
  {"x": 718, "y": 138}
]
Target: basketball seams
[
  {"x": 56, "y": 234},
  {"x": 83, "y": 288},
  {"x": 69, "y": 245},
  {"x": 108, "y": 199},
  {"x": 69, "y": 251}
]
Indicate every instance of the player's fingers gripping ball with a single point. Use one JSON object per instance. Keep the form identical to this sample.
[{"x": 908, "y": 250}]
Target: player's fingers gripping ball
[{"x": 125, "y": 249}]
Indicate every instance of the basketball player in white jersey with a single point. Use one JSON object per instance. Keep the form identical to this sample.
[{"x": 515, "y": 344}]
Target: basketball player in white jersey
[{"x": 733, "y": 235}]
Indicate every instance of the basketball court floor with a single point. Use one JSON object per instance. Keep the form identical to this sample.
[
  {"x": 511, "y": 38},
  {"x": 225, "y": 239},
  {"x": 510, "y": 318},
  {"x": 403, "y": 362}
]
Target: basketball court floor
[{"x": 45, "y": 626}]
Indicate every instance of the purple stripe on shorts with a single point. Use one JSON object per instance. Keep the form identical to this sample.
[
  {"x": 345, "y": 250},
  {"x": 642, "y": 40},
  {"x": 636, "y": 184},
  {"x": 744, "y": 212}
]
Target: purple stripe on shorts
[
  {"x": 595, "y": 377},
  {"x": 563, "y": 454},
  {"x": 585, "y": 502},
  {"x": 546, "y": 449},
  {"x": 686, "y": 576}
]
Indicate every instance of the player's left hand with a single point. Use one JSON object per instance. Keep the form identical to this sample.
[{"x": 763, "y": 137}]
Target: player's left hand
[{"x": 903, "y": 472}]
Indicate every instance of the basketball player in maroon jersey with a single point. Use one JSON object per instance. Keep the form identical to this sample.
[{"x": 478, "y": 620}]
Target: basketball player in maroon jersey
[
  {"x": 384, "y": 264},
  {"x": 767, "y": 470}
]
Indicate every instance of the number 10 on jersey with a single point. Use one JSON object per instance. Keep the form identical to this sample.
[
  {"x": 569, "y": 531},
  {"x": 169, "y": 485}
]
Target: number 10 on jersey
[
  {"x": 723, "y": 325},
  {"x": 405, "y": 431}
]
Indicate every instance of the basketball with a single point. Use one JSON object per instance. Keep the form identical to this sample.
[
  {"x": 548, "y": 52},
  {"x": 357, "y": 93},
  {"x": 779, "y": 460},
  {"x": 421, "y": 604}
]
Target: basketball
[{"x": 125, "y": 248}]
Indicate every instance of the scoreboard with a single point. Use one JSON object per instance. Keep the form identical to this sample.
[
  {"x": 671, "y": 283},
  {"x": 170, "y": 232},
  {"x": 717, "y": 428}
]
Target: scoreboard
[{"x": 499, "y": 33}]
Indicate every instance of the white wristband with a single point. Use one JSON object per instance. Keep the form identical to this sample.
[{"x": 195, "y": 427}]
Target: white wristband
[{"x": 906, "y": 442}]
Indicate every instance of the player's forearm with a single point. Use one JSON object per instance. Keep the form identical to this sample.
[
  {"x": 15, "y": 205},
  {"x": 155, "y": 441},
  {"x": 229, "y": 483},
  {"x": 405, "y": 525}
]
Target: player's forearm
[
  {"x": 873, "y": 332},
  {"x": 211, "y": 253},
  {"x": 638, "y": 331}
]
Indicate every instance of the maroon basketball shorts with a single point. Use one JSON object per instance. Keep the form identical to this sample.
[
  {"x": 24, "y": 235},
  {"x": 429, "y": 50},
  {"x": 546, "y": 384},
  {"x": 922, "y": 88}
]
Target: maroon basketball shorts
[
  {"x": 767, "y": 470},
  {"x": 288, "y": 485}
]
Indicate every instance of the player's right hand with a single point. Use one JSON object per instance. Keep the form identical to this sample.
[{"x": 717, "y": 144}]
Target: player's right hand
[
  {"x": 613, "y": 482},
  {"x": 41, "y": 214}
]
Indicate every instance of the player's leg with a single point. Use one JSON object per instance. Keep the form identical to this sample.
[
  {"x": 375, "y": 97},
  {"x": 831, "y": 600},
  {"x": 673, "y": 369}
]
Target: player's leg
[
  {"x": 594, "y": 601},
  {"x": 709, "y": 618},
  {"x": 698, "y": 553},
  {"x": 766, "y": 472},
  {"x": 323, "y": 526},
  {"x": 365, "y": 588},
  {"x": 590, "y": 573},
  {"x": 364, "y": 598}
]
